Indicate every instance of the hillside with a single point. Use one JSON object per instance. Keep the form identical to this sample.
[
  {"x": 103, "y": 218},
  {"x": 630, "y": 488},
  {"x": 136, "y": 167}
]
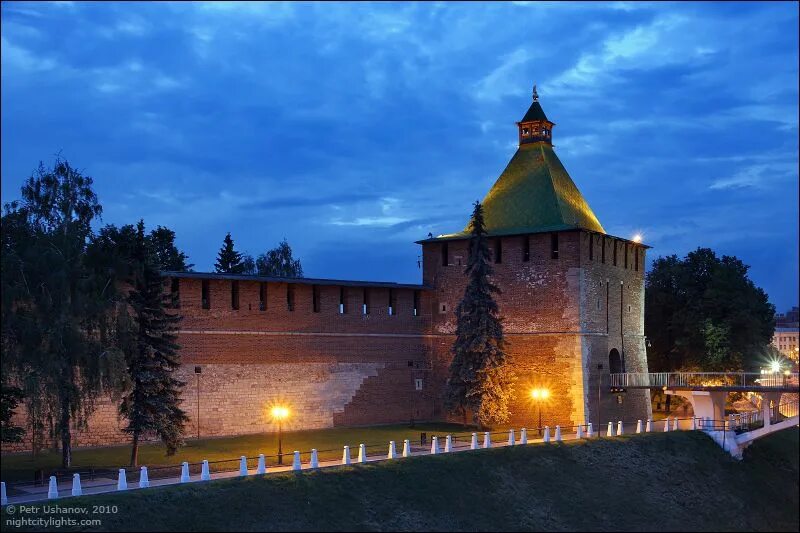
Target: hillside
[{"x": 663, "y": 482}]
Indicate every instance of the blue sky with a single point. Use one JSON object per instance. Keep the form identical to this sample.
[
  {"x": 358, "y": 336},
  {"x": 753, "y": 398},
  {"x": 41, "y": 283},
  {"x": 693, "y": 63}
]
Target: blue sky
[{"x": 354, "y": 129}]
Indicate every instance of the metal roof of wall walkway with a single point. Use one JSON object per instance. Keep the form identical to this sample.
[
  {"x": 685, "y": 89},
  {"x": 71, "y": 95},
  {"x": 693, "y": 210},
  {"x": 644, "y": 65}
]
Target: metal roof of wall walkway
[{"x": 299, "y": 281}]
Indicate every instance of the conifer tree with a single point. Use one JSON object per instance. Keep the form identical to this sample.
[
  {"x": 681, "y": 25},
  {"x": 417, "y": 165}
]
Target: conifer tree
[
  {"x": 481, "y": 381},
  {"x": 229, "y": 261},
  {"x": 152, "y": 404}
]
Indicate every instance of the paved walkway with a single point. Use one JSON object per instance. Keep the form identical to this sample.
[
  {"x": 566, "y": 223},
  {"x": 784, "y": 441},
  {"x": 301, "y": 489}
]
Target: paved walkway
[{"x": 106, "y": 485}]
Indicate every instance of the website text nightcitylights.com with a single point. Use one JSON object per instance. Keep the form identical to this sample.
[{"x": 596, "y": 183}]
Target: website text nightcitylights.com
[{"x": 54, "y": 516}]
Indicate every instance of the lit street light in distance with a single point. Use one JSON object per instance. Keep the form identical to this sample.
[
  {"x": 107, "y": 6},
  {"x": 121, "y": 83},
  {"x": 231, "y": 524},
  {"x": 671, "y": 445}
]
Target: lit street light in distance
[
  {"x": 540, "y": 395},
  {"x": 280, "y": 413}
]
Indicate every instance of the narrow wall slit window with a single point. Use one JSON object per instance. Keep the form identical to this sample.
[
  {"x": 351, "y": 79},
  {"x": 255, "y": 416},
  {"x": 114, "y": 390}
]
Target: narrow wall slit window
[
  {"x": 290, "y": 296},
  {"x": 262, "y": 296},
  {"x": 626, "y": 255},
  {"x": 636, "y": 260},
  {"x": 315, "y": 298},
  {"x": 342, "y": 308},
  {"x": 235, "y": 295},
  {"x": 554, "y": 245},
  {"x": 365, "y": 306},
  {"x": 205, "y": 295},
  {"x": 175, "y": 289},
  {"x": 615, "y": 251},
  {"x": 498, "y": 250},
  {"x": 591, "y": 247},
  {"x": 603, "y": 250},
  {"x": 416, "y": 303},
  {"x": 526, "y": 248},
  {"x": 392, "y": 303},
  {"x": 445, "y": 254}
]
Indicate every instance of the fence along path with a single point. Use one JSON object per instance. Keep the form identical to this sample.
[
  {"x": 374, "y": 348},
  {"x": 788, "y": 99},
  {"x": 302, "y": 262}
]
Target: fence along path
[{"x": 145, "y": 478}]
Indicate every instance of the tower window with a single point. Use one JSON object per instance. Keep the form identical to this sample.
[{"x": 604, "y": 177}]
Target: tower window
[
  {"x": 498, "y": 250},
  {"x": 525, "y": 131},
  {"x": 554, "y": 245},
  {"x": 526, "y": 248},
  {"x": 315, "y": 298},
  {"x": 365, "y": 306},
  {"x": 205, "y": 295},
  {"x": 235, "y": 295},
  {"x": 290, "y": 296},
  {"x": 342, "y": 308},
  {"x": 444, "y": 254},
  {"x": 175, "y": 289},
  {"x": 262, "y": 296},
  {"x": 416, "y": 303},
  {"x": 591, "y": 247}
]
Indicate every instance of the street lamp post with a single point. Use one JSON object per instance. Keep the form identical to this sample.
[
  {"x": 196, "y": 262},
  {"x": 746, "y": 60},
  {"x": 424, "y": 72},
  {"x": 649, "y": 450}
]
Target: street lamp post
[
  {"x": 279, "y": 413},
  {"x": 540, "y": 395}
]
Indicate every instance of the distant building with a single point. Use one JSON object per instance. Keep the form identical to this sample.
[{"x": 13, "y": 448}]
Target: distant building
[{"x": 790, "y": 319}]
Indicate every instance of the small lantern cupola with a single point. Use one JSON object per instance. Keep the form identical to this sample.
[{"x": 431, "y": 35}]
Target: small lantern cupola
[{"x": 534, "y": 126}]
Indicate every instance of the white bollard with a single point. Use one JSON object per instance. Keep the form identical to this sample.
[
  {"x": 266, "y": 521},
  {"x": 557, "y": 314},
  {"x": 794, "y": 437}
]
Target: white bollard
[
  {"x": 546, "y": 437},
  {"x": 694, "y": 423},
  {"x": 243, "y": 466},
  {"x": 487, "y": 440},
  {"x": 474, "y": 444},
  {"x": 52, "y": 489},
  {"x": 205, "y": 472},
  {"x": 346, "y": 455},
  {"x": 638, "y": 426},
  {"x": 76, "y": 485},
  {"x": 122, "y": 480},
  {"x": 579, "y": 433},
  {"x": 675, "y": 424},
  {"x": 362, "y": 453},
  {"x": 523, "y": 436},
  {"x": 448, "y": 444},
  {"x": 185, "y": 472},
  {"x": 648, "y": 427},
  {"x": 511, "y": 437},
  {"x": 434, "y": 445},
  {"x": 144, "y": 481},
  {"x": 314, "y": 458},
  {"x": 590, "y": 431},
  {"x": 558, "y": 433},
  {"x": 619, "y": 427},
  {"x": 296, "y": 466},
  {"x": 666, "y": 425},
  {"x": 610, "y": 430},
  {"x": 407, "y": 448},
  {"x": 392, "y": 451},
  {"x": 3, "y": 495},
  {"x": 262, "y": 464}
]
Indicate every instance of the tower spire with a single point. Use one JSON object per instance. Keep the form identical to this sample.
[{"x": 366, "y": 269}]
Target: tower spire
[{"x": 535, "y": 94}]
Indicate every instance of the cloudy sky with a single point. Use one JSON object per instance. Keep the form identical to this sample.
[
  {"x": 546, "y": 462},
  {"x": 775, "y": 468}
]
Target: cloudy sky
[{"x": 354, "y": 129}]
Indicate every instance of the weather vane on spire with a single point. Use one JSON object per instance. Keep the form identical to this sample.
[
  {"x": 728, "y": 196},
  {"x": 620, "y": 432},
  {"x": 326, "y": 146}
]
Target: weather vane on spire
[{"x": 535, "y": 94}]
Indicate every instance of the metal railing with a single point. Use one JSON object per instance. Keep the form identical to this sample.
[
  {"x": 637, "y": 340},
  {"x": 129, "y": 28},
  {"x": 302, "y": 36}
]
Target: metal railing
[{"x": 703, "y": 379}]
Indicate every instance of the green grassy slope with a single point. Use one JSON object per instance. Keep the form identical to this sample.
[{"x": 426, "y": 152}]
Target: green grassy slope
[{"x": 665, "y": 481}]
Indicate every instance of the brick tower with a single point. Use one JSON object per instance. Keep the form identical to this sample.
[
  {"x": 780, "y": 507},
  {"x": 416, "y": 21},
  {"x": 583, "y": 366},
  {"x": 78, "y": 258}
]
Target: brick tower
[{"x": 572, "y": 296}]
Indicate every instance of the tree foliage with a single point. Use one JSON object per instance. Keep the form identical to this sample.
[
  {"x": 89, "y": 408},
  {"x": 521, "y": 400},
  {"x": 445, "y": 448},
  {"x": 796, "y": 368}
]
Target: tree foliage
[
  {"x": 55, "y": 333},
  {"x": 229, "y": 261},
  {"x": 279, "y": 262},
  {"x": 152, "y": 402},
  {"x": 704, "y": 312},
  {"x": 481, "y": 381}
]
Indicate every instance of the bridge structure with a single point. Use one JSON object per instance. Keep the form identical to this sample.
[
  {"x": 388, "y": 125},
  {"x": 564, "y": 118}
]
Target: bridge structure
[{"x": 708, "y": 391}]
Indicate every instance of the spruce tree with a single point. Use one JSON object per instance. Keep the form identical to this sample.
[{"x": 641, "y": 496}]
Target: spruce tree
[
  {"x": 229, "y": 261},
  {"x": 481, "y": 381},
  {"x": 152, "y": 404}
]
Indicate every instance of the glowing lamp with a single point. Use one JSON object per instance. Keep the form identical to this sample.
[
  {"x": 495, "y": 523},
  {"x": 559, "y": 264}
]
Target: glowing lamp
[
  {"x": 637, "y": 237},
  {"x": 279, "y": 413},
  {"x": 775, "y": 366}
]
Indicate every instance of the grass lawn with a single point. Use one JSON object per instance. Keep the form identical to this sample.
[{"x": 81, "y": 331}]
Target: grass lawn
[
  {"x": 678, "y": 481},
  {"x": 20, "y": 467}
]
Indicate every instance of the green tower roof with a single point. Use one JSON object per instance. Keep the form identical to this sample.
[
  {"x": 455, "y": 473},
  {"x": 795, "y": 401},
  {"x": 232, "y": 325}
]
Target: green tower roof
[{"x": 535, "y": 112}]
